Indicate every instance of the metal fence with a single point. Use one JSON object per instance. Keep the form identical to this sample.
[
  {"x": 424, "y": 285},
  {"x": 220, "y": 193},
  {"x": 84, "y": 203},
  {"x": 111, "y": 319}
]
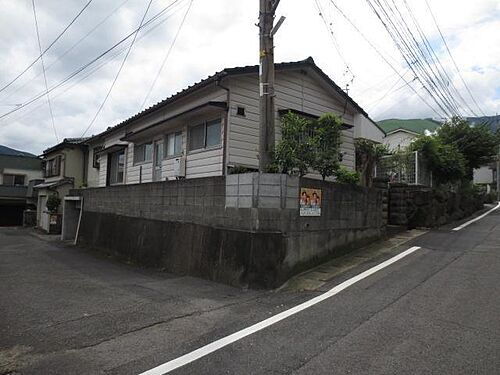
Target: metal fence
[{"x": 407, "y": 168}]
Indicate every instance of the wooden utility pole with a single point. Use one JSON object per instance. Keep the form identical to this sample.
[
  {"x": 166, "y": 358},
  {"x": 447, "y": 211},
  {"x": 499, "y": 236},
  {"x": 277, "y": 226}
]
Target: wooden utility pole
[{"x": 266, "y": 80}]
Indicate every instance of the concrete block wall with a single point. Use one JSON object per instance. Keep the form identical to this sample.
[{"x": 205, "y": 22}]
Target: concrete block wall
[
  {"x": 262, "y": 190},
  {"x": 241, "y": 229}
]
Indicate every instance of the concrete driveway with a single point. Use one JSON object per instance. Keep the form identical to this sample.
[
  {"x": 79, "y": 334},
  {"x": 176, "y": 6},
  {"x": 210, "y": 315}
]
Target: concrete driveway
[{"x": 64, "y": 310}]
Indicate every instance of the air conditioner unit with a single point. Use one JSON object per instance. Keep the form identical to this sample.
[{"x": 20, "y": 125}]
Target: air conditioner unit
[{"x": 180, "y": 167}]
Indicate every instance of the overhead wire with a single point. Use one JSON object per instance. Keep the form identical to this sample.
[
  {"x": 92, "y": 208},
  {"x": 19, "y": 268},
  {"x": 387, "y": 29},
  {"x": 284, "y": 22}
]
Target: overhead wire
[
  {"x": 412, "y": 59},
  {"x": 91, "y": 62},
  {"x": 384, "y": 58},
  {"x": 48, "y": 47},
  {"x": 333, "y": 38},
  {"x": 452, "y": 59},
  {"x": 106, "y": 60},
  {"x": 167, "y": 55},
  {"x": 419, "y": 53},
  {"x": 374, "y": 103},
  {"x": 437, "y": 61},
  {"x": 117, "y": 73},
  {"x": 48, "y": 67},
  {"x": 43, "y": 69},
  {"x": 430, "y": 69}
]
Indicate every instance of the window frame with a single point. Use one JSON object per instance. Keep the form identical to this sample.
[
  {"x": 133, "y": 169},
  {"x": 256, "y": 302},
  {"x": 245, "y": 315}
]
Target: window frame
[
  {"x": 96, "y": 163},
  {"x": 110, "y": 167},
  {"x": 14, "y": 176},
  {"x": 144, "y": 154},
  {"x": 53, "y": 167},
  {"x": 205, "y": 127},
  {"x": 166, "y": 144}
]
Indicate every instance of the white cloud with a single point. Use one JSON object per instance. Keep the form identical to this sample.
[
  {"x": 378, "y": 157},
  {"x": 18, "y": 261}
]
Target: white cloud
[{"x": 218, "y": 34}]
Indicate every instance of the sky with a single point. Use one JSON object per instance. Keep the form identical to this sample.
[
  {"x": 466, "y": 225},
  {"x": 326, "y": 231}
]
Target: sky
[{"x": 217, "y": 34}]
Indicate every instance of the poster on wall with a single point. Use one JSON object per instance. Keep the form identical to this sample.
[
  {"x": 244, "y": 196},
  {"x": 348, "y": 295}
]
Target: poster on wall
[{"x": 310, "y": 202}]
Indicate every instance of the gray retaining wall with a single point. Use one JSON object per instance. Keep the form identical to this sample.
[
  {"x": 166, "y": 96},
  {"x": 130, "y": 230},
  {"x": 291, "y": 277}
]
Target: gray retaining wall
[{"x": 241, "y": 229}]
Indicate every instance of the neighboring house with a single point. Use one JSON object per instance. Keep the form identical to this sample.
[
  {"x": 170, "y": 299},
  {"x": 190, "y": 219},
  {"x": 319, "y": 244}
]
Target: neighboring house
[
  {"x": 366, "y": 128},
  {"x": 487, "y": 175},
  {"x": 65, "y": 168},
  {"x": 213, "y": 126},
  {"x": 401, "y": 132},
  {"x": 18, "y": 171}
]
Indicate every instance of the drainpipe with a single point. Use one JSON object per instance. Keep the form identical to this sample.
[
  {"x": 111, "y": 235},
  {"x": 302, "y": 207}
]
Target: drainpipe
[
  {"x": 226, "y": 125},
  {"x": 79, "y": 222}
]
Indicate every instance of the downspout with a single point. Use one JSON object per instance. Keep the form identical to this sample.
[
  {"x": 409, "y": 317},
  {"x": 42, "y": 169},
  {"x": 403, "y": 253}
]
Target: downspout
[
  {"x": 226, "y": 125},
  {"x": 79, "y": 222},
  {"x": 85, "y": 165}
]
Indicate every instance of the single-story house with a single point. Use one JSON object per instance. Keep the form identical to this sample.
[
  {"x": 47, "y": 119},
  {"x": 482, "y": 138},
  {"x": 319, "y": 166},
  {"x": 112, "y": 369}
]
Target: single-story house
[{"x": 213, "y": 126}]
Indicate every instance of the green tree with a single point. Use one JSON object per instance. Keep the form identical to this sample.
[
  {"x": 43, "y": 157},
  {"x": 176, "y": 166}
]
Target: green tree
[
  {"x": 294, "y": 152},
  {"x": 368, "y": 153},
  {"x": 445, "y": 161},
  {"x": 326, "y": 138},
  {"x": 477, "y": 144},
  {"x": 308, "y": 145}
]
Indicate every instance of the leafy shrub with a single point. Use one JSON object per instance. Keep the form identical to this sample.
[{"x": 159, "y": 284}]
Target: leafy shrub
[
  {"x": 308, "y": 145},
  {"x": 368, "y": 153},
  {"x": 346, "y": 176},
  {"x": 53, "y": 202},
  {"x": 239, "y": 169}
]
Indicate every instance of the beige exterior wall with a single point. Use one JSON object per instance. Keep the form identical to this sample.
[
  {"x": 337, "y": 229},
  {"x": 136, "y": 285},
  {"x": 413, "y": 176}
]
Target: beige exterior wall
[
  {"x": 199, "y": 163},
  {"x": 92, "y": 173},
  {"x": 294, "y": 90},
  {"x": 298, "y": 90},
  {"x": 72, "y": 164},
  {"x": 30, "y": 174}
]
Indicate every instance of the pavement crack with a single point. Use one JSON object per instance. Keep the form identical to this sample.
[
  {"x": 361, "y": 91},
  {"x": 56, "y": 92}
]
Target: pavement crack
[{"x": 164, "y": 321}]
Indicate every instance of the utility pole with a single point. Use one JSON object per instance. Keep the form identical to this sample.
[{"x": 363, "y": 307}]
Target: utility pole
[
  {"x": 498, "y": 174},
  {"x": 266, "y": 80}
]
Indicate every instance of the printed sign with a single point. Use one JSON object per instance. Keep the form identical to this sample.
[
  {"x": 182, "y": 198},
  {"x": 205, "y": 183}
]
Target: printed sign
[{"x": 310, "y": 202}]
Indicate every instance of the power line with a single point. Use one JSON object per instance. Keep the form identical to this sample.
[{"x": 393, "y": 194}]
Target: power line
[
  {"x": 433, "y": 75},
  {"x": 106, "y": 60},
  {"x": 165, "y": 58},
  {"x": 117, "y": 73},
  {"x": 434, "y": 58},
  {"x": 43, "y": 69},
  {"x": 412, "y": 58},
  {"x": 382, "y": 56},
  {"x": 47, "y": 68},
  {"x": 332, "y": 37},
  {"x": 82, "y": 68},
  {"x": 46, "y": 49},
  {"x": 452, "y": 59},
  {"x": 374, "y": 103}
]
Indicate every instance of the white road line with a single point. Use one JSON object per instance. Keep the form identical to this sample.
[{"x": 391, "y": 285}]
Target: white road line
[
  {"x": 216, "y": 345},
  {"x": 476, "y": 219}
]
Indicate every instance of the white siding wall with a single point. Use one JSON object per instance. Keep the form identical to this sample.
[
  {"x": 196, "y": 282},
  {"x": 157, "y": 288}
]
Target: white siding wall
[
  {"x": 198, "y": 163},
  {"x": 103, "y": 169},
  {"x": 365, "y": 128},
  {"x": 294, "y": 90},
  {"x": 399, "y": 139}
]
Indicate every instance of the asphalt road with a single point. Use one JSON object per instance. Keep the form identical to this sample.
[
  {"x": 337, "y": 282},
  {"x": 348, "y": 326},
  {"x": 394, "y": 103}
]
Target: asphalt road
[{"x": 64, "y": 310}]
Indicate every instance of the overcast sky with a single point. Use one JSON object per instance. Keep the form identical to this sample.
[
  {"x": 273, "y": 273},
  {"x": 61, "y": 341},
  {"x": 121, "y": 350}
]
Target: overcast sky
[{"x": 218, "y": 34}]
